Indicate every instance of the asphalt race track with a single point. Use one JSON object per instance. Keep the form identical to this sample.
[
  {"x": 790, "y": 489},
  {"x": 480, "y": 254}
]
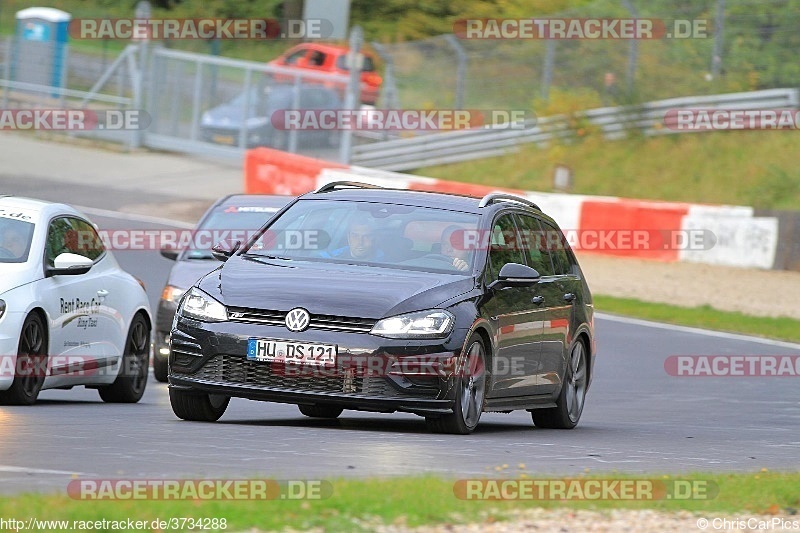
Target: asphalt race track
[{"x": 637, "y": 419}]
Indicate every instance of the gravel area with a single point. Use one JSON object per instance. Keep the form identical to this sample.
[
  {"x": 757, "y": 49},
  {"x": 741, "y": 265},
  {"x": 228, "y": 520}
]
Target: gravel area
[
  {"x": 750, "y": 291},
  {"x": 644, "y": 521}
]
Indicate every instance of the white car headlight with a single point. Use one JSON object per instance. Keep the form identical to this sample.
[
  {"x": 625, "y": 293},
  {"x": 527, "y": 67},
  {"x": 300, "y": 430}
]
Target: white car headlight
[
  {"x": 200, "y": 306},
  {"x": 433, "y": 324},
  {"x": 2, "y": 308}
]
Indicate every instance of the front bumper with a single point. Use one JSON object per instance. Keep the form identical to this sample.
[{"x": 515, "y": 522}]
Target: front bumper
[{"x": 372, "y": 373}]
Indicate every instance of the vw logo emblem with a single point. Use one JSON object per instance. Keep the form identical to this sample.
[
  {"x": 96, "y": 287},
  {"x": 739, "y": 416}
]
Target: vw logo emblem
[{"x": 297, "y": 319}]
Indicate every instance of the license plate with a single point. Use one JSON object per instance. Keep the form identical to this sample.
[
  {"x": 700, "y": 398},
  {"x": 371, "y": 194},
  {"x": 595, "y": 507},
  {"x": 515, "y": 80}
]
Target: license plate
[
  {"x": 272, "y": 350},
  {"x": 223, "y": 139}
]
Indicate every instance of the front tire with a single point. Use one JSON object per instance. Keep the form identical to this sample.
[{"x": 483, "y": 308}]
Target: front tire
[
  {"x": 132, "y": 379},
  {"x": 160, "y": 368},
  {"x": 197, "y": 406},
  {"x": 569, "y": 406},
  {"x": 321, "y": 411},
  {"x": 471, "y": 386},
  {"x": 31, "y": 364}
]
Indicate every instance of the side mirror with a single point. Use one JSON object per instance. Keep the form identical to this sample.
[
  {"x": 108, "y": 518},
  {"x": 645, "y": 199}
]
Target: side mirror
[
  {"x": 515, "y": 275},
  {"x": 221, "y": 252},
  {"x": 170, "y": 253},
  {"x": 68, "y": 264}
]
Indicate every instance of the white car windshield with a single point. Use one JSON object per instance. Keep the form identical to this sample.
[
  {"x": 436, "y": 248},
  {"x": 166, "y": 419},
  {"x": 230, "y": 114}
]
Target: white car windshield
[
  {"x": 15, "y": 240},
  {"x": 370, "y": 233}
]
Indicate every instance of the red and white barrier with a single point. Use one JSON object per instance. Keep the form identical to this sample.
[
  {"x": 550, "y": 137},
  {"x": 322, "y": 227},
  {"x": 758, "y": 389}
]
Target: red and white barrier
[{"x": 739, "y": 238}]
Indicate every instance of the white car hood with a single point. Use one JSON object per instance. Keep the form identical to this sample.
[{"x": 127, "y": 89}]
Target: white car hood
[{"x": 12, "y": 275}]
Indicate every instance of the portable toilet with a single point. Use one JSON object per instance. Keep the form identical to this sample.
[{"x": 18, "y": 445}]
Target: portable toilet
[{"x": 40, "y": 54}]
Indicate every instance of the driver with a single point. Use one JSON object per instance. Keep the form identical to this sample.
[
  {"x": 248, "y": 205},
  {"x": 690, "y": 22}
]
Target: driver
[
  {"x": 13, "y": 240},
  {"x": 361, "y": 243}
]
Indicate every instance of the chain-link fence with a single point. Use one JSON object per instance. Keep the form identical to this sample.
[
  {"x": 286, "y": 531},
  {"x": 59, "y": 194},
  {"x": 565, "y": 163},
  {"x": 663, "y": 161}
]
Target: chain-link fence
[{"x": 732, "y": 45}]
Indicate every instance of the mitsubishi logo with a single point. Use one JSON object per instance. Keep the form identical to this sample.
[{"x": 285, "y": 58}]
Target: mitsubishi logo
[{"x": 297, "y": 319}]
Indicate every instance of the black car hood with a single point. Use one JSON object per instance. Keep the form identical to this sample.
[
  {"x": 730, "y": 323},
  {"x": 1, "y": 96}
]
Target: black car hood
[{"x": 330, "y": 289}]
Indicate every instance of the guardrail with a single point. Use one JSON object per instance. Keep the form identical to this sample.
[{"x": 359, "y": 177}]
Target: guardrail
[{"x": 613, "y": 122}]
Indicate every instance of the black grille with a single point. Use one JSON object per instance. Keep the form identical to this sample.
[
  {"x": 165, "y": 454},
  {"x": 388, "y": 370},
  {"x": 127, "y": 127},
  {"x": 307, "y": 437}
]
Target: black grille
[
  {"x": 277, "y": 318},
  {"x": 239, "y": 370}
]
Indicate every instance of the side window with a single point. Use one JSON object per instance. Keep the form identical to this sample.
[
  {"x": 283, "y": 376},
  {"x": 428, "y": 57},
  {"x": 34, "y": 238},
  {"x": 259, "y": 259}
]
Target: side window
[
  {"x": 317, "y": 59},
  {"x": 71, "y": 235},
  {"x": 88, "y": 243},
  {"x": 504, "y": 245},
  {"x": 536, "y": 245},
  {"x": 557, "y": 245},
  {"x": 292, "y": 59}
]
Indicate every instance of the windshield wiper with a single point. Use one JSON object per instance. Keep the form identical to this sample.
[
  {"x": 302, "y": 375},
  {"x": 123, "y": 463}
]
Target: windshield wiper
[{"x": 266, "y": 256}]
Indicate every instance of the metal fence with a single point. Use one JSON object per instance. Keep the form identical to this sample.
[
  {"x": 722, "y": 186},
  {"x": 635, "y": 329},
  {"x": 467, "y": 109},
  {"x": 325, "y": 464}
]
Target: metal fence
[
  {"x": 194, "y": 103},
  {"x": 611, "y": 122},
  {"x": 746, "y": 45}
]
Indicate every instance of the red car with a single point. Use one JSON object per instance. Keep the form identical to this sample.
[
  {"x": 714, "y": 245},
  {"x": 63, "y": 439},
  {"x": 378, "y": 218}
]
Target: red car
[{"x": 331, "y": 59}]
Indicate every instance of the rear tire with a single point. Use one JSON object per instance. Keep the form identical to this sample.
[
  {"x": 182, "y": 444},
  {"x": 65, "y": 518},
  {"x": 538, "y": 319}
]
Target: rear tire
[
  {"x": 321, "y": 411},
  {"x": 471, "y": 386},
  {"x": 132, "y": 379},
  {"x": 197, "y": 406},
  {"x": 31, "y": 366},
  {"x": 569, "y": 406}
]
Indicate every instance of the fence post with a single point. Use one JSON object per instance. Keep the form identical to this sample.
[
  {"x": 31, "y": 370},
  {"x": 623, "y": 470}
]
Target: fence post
[
  {"x": 461, "y": 72},
  {"x": 142, "y": 11},
  {"x": 7, "y": 69},
  {"x": 389, "y": 96},
  {"x": 719, "y": 23},
  {"x": 633, "y": 50},
  {"x": 353, "y": 92},
  {"x": 547, "y": 70}
]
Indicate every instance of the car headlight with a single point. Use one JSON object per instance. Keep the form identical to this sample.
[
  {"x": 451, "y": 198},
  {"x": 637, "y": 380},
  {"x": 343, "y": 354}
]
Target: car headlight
[
  {"x": 200, "y": 306},
  {"x": 2, "y": 308},
  {"x": 172, "y": 294},
  {"x": 433, "y": 324},
  {"x": 256, "y": 122}
]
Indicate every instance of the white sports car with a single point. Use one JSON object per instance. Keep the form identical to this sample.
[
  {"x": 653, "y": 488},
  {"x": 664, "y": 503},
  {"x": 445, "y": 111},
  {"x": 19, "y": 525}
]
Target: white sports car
[{"x": 69, "y": 315}]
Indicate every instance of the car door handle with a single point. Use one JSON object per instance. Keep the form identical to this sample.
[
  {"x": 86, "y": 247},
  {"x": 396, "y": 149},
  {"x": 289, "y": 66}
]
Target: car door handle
[
  {"x": 538, "y": 300},
  {"x": 569, "y": 297},
  {"x": 102, "y": 293}
]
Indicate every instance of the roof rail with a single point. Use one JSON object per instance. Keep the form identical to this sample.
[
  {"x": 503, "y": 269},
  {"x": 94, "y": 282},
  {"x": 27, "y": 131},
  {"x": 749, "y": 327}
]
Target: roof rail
[
  {"x": 332, "y": 186},
  {"x": 493, "y": 197}
]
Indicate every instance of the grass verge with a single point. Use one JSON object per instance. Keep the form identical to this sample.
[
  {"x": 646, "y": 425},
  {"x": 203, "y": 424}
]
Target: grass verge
[
  {"x": 782, "y": 328},
  {"x": 704, "y": 167},
  {"x": 364, "y": 503}
]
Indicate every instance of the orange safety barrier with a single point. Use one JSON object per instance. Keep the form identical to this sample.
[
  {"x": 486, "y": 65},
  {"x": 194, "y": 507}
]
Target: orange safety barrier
[
  {"x": 657, "y": 225},
  {"x": 268, "y": 171},
  {"x": 455, "y": 187}
]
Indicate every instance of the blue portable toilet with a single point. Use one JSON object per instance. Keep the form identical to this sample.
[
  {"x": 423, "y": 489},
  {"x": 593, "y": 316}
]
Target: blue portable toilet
[{"x": 40, "y": 53}]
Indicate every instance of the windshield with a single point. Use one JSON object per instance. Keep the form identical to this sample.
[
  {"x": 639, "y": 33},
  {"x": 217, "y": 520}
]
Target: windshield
[
  {"x": 15, "y": 240},
  {"x": 370, "y": 234},
  {"x": 228, "y": 224}
]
